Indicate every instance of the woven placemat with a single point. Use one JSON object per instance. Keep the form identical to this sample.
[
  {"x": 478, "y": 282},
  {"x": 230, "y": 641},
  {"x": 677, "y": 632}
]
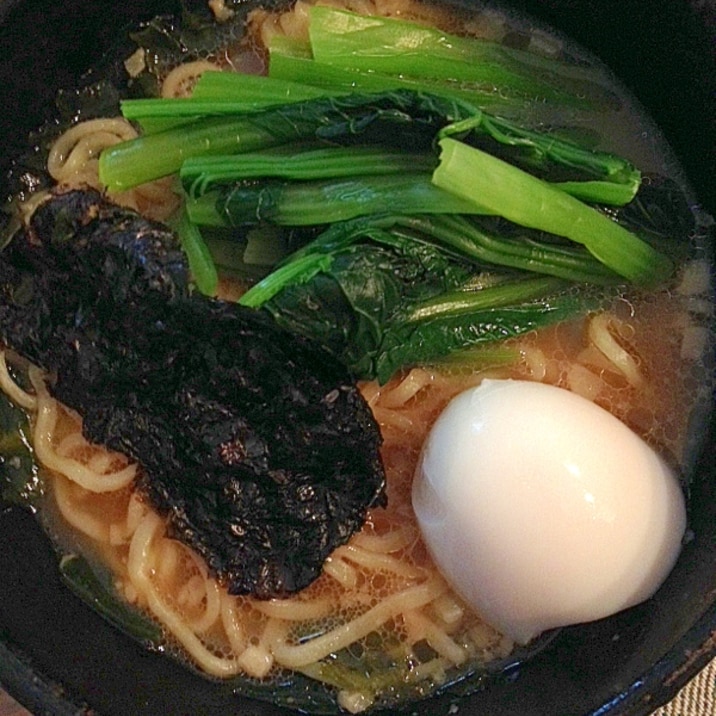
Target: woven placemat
[{"x": 697, "y": 698}]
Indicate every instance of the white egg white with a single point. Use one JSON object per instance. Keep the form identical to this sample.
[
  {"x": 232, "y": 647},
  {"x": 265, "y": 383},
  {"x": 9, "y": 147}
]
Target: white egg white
[{"x": 542, "y": 509}]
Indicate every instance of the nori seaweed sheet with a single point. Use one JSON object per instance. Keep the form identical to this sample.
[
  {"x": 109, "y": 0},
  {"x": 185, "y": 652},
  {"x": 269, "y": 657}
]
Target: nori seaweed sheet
[{"x": 255, "y": 443}]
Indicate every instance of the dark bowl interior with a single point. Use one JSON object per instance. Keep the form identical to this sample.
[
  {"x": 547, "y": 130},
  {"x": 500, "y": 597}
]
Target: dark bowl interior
[{"x": 59, "y": 657}]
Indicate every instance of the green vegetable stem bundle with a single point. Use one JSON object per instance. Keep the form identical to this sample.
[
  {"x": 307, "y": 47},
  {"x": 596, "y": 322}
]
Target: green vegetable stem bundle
[{"x": 413, "y": 218}]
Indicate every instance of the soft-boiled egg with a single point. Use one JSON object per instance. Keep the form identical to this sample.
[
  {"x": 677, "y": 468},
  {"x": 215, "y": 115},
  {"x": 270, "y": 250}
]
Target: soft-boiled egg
[{"x": 542, "y": 509}]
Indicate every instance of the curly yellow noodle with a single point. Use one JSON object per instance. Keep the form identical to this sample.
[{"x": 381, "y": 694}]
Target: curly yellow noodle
[
  {"x": 263, "y": 654},
  {"x": 596, "y": 360},
  {"x": 73, "y": 161},
  {"x": 121, "y": 533},
  {"x": 448, "y": 610},
  {"x": 376, "y": 561},
  {"x": 88, "y": 524},
  {"x": 140, "y": 564},
  {"x": 200, "y": 589},
  {"x": 13, "y": 390},
  {"x": 74, "y": 156},
  {"x": 296, "y": 656},
  {"x": 45, "y": 422},
  {"x": 207, "y": 593},
  {"x": 221, "y": 12},
  {"x": 180, "y": 81},
  {"x": 100, "y": 462},
  {"x": 354, "y": 702},
  {"x": 390, "y": 542},
  {"x": 233, "y": 623},
  {"x": 536, "y": 362},
  {"x": 393, "y": 419},
  {"x": 256, "y": 661},
  {"x": 583, "y": 381},
  {"x": 420, "y": 627},
  {"x": 118, "y": 534},
  {"x": 416, "y": 380},
  {"x": 341, "y": 572},
  {"x": 27, "y": 208},
  {"x": 71, "y": 443},
  {"x": 600, "y": 333},
  {"x": 295, "y": 609}
]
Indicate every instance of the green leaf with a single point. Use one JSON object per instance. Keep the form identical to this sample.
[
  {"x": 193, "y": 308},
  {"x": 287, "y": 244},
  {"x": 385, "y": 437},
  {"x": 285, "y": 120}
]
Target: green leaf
[
  {"x": 20, "y": 480},
  {"x": 380, "y": 300},
  {"x": 96, "y": 590},
  {"x": 200, "y": 174},
  {"x": 199, "y": 257},
  {"x": 528, "y": 201},
  {"x": 323, "y": 201},
  {"x": 399, "y": 47}
]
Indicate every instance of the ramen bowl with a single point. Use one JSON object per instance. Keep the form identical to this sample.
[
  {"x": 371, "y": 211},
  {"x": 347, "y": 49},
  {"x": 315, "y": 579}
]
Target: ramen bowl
[{"x": 57, "y": 656}]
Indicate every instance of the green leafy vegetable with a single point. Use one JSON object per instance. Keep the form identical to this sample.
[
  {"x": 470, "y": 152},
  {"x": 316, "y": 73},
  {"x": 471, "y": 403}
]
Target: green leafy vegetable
[
  {"x": 201, "y": 264},
  {"x": 217, "y": 94},
  {"x": 286, "y": 64},
  {"x": 404, "y": 119},
  {"x": 472, "y": 238},
  {"x": 323, "y": 202},
  {"x": 526, "y": 200},
  {"x": 400, "y": 48},
  {"x": 586, "y": 174},
  {"x": 156, "y": 155},
  {"x": 202, "y": 173},
  {"x": 467, "y": 318},
  {"x": 488, "y": 241},
  {"x": 381, "y": 299},
  {"x": 257, "y": 91},
  {"x": 390, "y": 279}
]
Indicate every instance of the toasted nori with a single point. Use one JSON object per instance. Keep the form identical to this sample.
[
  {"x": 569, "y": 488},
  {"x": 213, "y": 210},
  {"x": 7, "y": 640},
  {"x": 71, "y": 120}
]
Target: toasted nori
[{"x": 255, "y": 443}]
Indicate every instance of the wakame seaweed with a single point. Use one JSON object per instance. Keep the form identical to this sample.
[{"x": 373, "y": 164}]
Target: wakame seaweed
[
  {"x": 255, "y": 443},
  {"x": 20, "y": 482}
]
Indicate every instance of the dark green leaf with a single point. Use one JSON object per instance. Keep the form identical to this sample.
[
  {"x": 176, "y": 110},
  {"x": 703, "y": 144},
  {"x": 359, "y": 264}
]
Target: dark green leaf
[
  {"x": 95, "y": 588},
  {"x": 20, "y": 482}
]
